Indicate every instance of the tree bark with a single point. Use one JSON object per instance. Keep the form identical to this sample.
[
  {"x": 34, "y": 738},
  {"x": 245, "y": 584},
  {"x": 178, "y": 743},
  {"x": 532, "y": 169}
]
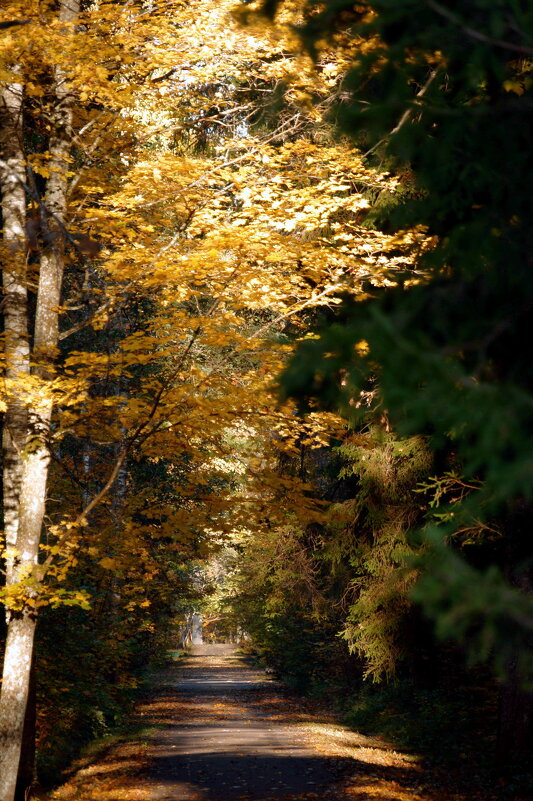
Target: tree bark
[
  {"x": 17, "y": 365},
  {"x": 26, "y": 775},
  {"x": 15, "y": 307},
  {"x": 36, "y": 455},
  {"x": 15, "y": 688}
]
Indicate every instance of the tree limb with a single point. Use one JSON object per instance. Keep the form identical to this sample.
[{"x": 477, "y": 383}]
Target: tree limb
[
  {"x": 478, "y": 35},
  {"x": 405, "y": 116},
  {"x": 13, "y": 23}
]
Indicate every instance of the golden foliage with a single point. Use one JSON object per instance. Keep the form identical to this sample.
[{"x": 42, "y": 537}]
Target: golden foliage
[{"x": 228, "y": 229}]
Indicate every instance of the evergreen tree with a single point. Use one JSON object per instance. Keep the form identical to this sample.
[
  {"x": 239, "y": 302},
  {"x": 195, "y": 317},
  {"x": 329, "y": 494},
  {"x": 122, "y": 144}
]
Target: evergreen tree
[{"x": 443, "y": 93}]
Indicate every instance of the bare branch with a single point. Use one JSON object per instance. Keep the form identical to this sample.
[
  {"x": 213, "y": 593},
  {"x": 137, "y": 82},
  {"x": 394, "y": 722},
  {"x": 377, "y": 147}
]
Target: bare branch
[
  {"x": 478, "y": 35},
  {"x": 82, "y": 517},
  {"x": 164, "y": 77},
  {"x": 405, "y": 116},
  {"x": 13, "y": 23}
]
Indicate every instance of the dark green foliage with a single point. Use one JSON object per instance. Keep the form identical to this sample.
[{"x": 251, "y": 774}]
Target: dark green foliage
[
  {"x": 310, "y": 598},
  {"x": 451, "y": 355},
  {"x": 451, "y": 724}
]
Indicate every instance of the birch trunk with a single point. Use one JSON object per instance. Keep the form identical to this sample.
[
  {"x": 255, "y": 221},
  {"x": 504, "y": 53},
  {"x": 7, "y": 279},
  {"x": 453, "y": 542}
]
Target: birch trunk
[
  {"x": 36, "y": 457},
  {"x": 15, "y": 307},
  {"x": 16, "y": 347}
]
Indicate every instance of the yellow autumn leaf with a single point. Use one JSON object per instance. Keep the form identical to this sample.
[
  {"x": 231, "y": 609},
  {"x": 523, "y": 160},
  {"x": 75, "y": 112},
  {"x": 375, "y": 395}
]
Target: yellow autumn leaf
[{"x": 108, "y": 563}]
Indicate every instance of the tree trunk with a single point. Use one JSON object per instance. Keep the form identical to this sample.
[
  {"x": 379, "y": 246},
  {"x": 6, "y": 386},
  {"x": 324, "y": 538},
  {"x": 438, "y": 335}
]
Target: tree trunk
[
  {"x": 26, "y": 774},
  {"x": 14, "y": 432},
  {"x": 15, "y": 307},
  {"x": 36, "y": 455},
  {"x": 15, "y": 689}
]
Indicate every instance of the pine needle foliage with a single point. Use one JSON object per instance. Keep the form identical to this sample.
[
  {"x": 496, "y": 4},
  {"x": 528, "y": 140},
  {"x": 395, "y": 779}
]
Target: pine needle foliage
[
  {"x": 384, "y": 510},
  {"x": 443, "y": 93}
]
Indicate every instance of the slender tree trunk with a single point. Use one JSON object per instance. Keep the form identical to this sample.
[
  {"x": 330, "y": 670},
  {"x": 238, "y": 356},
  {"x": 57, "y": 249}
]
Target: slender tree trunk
[
  {"x": 36, "y": 456},
  {"x": 17, "y": 363},
  {"x": 26, "y": 775},
  {"x": 15, "y": 307},
  {"x": 15, "y": 686}
]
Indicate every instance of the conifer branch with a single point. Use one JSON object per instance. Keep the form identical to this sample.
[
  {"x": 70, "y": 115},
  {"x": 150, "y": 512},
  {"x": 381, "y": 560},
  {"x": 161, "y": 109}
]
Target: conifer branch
[{"x": 475, "y": 34}]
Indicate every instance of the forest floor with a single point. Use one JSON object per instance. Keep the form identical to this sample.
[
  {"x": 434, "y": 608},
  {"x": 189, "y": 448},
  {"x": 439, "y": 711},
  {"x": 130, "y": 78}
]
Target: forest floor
[{"x": 216, "y": 729}]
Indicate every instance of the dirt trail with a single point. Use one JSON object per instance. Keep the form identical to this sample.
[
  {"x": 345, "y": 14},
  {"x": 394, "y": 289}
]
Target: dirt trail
[{"x": 227, "y": 746}]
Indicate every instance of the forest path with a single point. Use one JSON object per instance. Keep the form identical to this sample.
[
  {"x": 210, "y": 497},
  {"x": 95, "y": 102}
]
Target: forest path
[
  {"x": 226, "y": 741},
  {"x": 215, "y": 729}
]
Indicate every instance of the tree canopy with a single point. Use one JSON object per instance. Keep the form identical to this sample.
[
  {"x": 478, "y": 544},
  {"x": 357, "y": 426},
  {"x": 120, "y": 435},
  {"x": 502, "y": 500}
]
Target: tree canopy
[{"x": 266, "y": 302}]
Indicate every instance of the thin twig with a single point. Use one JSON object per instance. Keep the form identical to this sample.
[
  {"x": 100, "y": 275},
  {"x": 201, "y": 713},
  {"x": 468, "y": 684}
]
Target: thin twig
[
  {"x": 13, "y": 23},
  {"x": 134, "y": 438},
  {"x": 230, "y": 163},
  {"x": 405, "y": 116},
  {"x": 82, "y": 517},
  {"x": 475, "y": 34},
  {"x": 109, "y": 303}
]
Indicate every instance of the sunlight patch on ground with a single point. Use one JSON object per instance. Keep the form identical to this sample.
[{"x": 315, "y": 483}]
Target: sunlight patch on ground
[
  {"x": 109, "y": 768},
  {"x": 382, "y": 790},
  {"x": 111, "y": 776},
  {"x": 343, "y": 742}
]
